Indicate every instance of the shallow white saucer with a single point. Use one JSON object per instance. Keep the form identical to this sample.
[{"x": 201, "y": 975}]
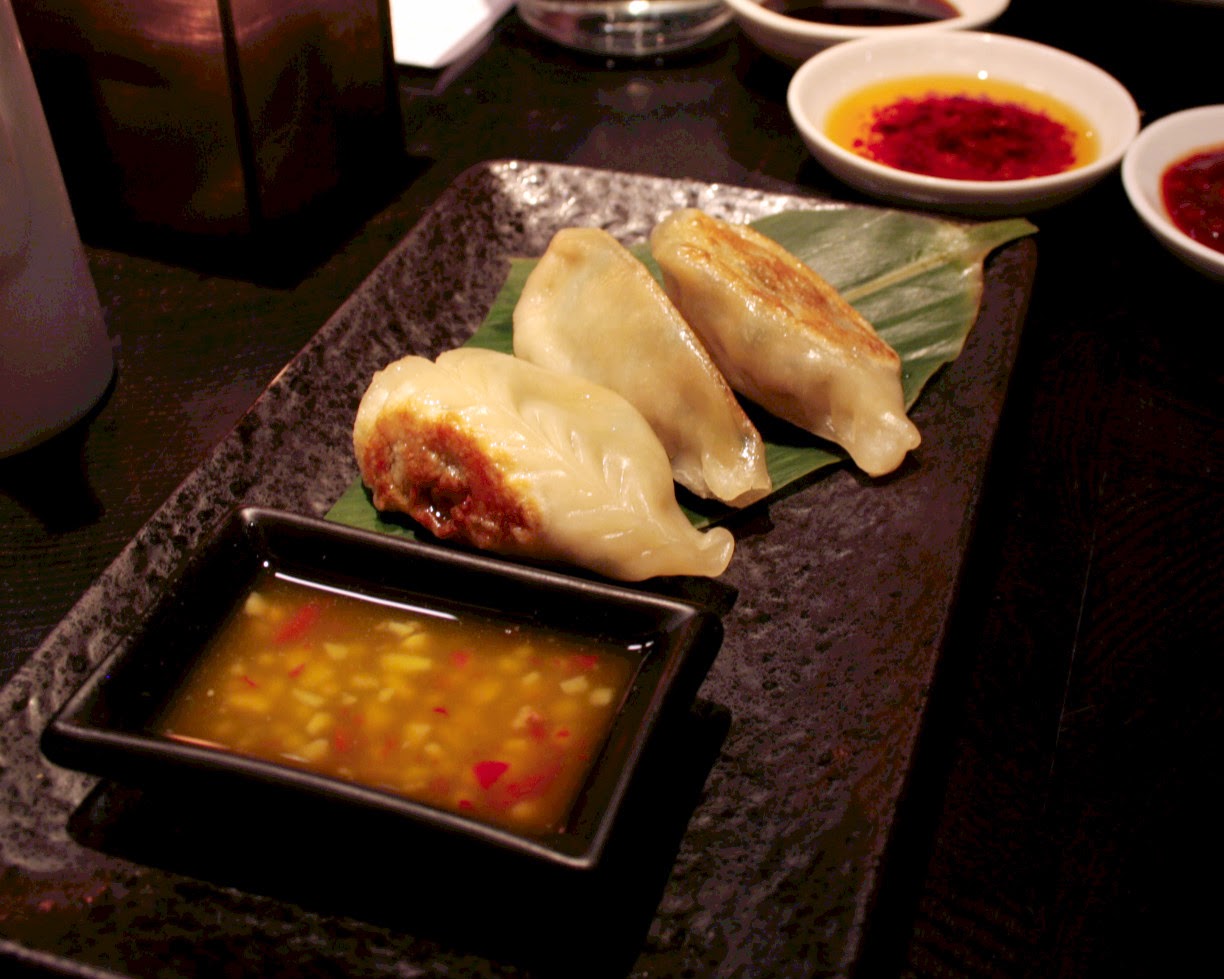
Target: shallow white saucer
[
  {"x": 827, "y": 78},
  {"x": 1161, "y": 144}
]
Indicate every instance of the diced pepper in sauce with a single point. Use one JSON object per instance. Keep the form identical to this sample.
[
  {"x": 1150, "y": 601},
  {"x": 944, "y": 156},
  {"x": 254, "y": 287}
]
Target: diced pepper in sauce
[{"x": 495, "y": 720}]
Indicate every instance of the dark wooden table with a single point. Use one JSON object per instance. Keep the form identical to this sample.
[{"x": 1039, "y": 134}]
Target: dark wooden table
[{"x": 1063, "y": 820}]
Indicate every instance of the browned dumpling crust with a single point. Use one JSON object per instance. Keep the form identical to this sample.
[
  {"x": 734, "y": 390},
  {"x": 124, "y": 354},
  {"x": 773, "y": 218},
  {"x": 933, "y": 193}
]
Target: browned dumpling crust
[
  {"x": 486, "y": 448},
  {"x": 785, "y": 338},
  {"x": 591, "y": 308},
  {"x": 437, "y": 472}
]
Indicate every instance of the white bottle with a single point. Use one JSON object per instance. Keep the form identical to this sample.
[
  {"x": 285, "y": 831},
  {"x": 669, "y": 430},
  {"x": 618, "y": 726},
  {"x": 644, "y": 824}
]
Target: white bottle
[{"x": 56, "y": 359}]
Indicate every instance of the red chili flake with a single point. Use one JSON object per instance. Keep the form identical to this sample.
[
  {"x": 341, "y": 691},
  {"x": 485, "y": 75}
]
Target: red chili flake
[
  {"x": 297, "y": 670},
  {"x": 466, "y": 804},
  {"x": 488, "y": 772},
  {"x": 342, "y": 740},
  {"x": 298, "y": 624},
  {"x": 576, "y": 663},
  {"x": 441, "y": 710},
  {"x": 248, "y": 681},
  {"x": 535, "y": 784},
  {"x": 562, "y": 732},
  {"x": 461, "y": 658},
  {"x": 966, "y": 137},
  {"x": 533, "y": 721}
]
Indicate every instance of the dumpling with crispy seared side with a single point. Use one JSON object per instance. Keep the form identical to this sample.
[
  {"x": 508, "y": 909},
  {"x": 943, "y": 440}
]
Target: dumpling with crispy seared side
[
  {"x": 489, "y": 449},
  {"x": 589, "y": 307},
  {"x": 785, "y": 338}
]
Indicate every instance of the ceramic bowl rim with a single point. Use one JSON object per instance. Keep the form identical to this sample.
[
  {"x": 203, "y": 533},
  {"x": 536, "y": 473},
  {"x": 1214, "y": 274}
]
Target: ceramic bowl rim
[
  {"x": 987, "y": 10},
  {"x": 1149, "y": 148}
]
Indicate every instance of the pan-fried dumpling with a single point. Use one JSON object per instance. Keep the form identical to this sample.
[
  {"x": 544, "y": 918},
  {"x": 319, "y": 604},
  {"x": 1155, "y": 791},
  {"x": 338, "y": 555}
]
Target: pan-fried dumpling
[
  {"x": 489, "y": 449},
  {"x": 785, "y": 338},
  {"x": 590, "y": 308}
]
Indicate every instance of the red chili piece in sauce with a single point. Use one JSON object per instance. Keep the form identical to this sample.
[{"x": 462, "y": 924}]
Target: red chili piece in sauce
[
  {"x": 1193, "y": 190},
  {"x": 967, "y": 137},
  {"x": 298, "y": 624},
  {"x": 488, "y": 772}
]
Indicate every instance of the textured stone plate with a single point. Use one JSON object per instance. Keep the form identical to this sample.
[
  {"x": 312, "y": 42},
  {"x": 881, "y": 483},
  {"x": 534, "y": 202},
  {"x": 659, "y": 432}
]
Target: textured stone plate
[{"x": 758, "y": 846}]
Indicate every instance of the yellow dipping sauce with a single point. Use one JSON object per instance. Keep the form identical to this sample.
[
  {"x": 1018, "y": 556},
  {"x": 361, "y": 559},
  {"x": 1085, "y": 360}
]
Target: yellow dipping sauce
[
  {"x": 499, "y": 722},
  {"x": 917, "y": 124}
]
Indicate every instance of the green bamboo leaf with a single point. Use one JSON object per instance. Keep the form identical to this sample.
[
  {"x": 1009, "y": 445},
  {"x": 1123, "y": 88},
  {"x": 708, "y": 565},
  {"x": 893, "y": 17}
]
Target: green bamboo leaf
[{"x": 917, "y": 279}]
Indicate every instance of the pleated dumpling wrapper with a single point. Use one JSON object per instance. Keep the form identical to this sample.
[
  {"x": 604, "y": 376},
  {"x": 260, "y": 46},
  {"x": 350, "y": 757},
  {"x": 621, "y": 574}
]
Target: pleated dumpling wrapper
[
  {"x": 589, "y": 307},
  {"x": 785, "y": 338},
  {"x": 512, "y": 458}
]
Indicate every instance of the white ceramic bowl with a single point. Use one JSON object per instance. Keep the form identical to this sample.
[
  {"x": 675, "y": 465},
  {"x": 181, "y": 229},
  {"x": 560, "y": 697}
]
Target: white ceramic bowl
[
  {"x": 828, "y": 77},
  {"x": 794, "y": 41},
  {"x": 1157, "y": 147}
]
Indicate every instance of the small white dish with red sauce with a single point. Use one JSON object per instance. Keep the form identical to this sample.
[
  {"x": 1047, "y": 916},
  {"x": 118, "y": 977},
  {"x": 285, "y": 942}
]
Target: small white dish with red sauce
[
  {"x": 1161, "y": 146},
  {"x": 1038, "y": 84},
  {"x": 794, "y": 30}
]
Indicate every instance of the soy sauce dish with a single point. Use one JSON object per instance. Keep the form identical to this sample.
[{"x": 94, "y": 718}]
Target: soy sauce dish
[
  {"x": 491, "y": 703},
  {"x": 793, "y": 30},
  {"x": 962, "y": 121}
]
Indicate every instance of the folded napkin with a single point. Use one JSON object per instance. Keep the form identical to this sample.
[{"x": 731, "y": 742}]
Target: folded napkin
[{"x": 433, "y": 33}]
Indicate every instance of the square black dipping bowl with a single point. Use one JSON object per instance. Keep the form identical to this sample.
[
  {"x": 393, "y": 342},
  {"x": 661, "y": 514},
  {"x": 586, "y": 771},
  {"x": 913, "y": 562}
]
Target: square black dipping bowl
[{"x": 110, "y": 725}]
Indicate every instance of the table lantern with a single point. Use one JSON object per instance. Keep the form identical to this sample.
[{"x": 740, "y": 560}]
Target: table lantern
[{"x": 212, "y": 116}]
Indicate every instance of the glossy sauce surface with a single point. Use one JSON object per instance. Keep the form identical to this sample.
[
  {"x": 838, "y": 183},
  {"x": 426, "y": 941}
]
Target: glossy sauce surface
[
  {"x": 865, "y": 13},
  {"x": 962, "y": 127},
  {"x": 1193, "y": 192},
  {"x": 499, "y": 722}
]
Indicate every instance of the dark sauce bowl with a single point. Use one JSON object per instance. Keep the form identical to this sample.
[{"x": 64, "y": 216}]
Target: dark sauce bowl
[
  {"x": 108, "y": 727},
  {"x": 792, "y": 34},
  {"x": 865, "y": 13}
]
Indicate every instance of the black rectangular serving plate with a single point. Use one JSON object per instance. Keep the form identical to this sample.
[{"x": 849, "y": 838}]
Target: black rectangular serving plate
[
  {"x": 787, "y": 779},
  {"x": 106, "y": 727}
]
